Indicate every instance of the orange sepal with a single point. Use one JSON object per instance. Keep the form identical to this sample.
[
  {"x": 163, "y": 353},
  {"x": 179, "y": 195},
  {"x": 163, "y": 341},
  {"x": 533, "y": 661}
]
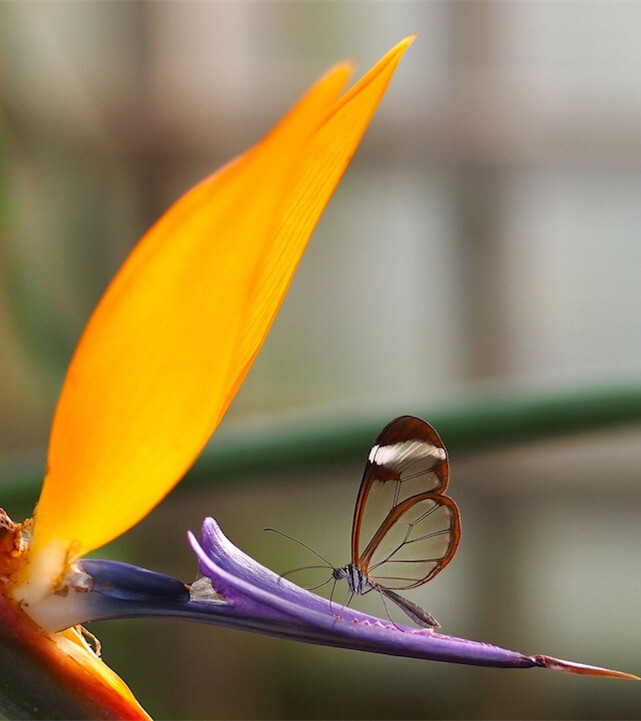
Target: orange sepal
[
  {"x": 58, "y": 673},
  {"x": 179, "y": 326}
]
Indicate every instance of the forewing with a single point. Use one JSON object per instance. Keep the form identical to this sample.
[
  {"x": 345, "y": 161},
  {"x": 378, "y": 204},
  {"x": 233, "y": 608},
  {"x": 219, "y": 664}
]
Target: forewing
[{"x": 407, "y": 459}]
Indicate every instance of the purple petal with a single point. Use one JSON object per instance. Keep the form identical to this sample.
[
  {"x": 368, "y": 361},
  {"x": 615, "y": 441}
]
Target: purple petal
[
  {"x": 238, "y": 592},
  {"x": 247, "y": 585}
]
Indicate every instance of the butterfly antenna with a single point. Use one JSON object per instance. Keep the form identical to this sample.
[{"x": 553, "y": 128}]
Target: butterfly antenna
[
  {"x": 304, "y": 568},
  {"x": 320, "y": 585},
  {"x": 304, "y": 545},
  {"x": 300, "y": 568}
]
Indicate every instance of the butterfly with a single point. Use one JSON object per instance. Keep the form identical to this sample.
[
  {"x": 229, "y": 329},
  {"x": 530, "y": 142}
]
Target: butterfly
[{"x": 405, "y": 529}]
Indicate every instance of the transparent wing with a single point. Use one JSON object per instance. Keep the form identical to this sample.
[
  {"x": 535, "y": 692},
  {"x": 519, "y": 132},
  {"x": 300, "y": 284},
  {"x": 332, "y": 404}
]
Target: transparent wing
[
  {"x": 411, "y": 529},
  {"x": 417, "y": 539}
]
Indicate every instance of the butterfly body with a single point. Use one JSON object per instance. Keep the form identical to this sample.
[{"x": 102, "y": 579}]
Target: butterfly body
[
  {"x": 412, "y": 526},
  {"x": 359, "y": 584},
  {"x": 357, "y": 581}
]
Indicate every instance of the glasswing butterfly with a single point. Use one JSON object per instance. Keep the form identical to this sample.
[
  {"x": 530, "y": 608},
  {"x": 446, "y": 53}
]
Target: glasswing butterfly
[
  {"x": 411, "y": 528},
  {"x": 405, "y": 530}
]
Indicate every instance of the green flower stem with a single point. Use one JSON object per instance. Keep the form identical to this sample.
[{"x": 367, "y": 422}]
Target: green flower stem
[{"x": 255, "y": 447}]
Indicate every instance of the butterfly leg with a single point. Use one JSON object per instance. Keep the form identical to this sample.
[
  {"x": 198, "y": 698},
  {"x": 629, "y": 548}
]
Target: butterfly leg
[
  {"x": 331, "y": 600},
  {"x": 337, "y": 615},
  {"x": 387, "y": 611}
]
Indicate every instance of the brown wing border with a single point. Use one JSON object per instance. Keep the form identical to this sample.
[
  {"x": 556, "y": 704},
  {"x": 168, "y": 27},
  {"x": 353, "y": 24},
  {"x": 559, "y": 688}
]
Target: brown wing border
[
  {"x": 400, "y": 429},
  {"x": 392, "y": 518}
]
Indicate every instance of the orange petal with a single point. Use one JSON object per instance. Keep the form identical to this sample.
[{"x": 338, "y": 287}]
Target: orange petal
[
  {"x": 58, "y": 673},
  {"x": 582, "y": 669},
  {"x": 179, "y": 326},
  {"x": 322, "y": 167}
]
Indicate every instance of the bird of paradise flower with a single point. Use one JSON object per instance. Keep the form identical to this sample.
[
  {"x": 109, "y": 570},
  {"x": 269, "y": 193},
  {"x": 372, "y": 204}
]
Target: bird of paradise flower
[{"x": 154, "y": 372}]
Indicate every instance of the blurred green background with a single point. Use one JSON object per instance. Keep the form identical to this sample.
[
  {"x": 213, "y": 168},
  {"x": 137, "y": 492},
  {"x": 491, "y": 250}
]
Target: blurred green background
[{"x": 483, "y": 249}]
